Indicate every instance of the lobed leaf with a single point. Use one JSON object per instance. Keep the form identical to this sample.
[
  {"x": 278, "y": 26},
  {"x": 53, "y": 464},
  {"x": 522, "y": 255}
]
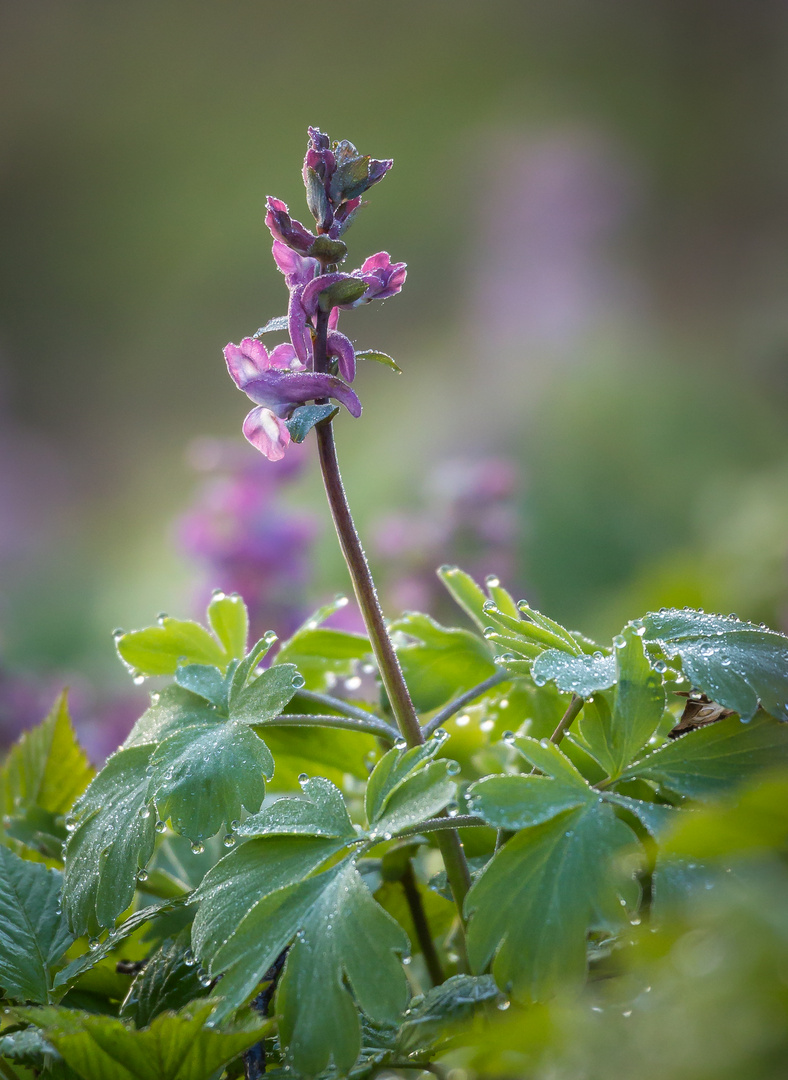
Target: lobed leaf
[
  {"x": 581, "y": 675},
  {"x": 321, "y": 812},
  {"x": 706, "y": 762},
  {"x": 229, "y": 620},
  {"x": 736, "y": 664},
  {"x": 169, "y": 981},
  {"x": 111, "y": 840},
  {"x": 204, "y": 774},
  {"x": 439, "y": 662},
  {"x": 158, "y": 650},
  {"x": 266, "y": 696},
  {"x": 614, "y": 736}
]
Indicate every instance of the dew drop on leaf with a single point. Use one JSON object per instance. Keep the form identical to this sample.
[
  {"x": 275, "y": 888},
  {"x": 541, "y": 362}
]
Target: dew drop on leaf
[
  {"x": 197, "y": 848},
  {"x": 159, "y": 826},
  {"x": 298, "y": 681}
]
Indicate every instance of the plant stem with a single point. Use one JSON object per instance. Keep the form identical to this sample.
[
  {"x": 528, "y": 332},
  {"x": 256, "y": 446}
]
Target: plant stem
[
  {"x": 421, "y": 926},
  {"x": 437, "y": 824},
  {"x": 338, "y": 705},
  {"x": 459, "y": 703},
  {"x": 370, "y": 726},
  {"x": 575, "y": 705},
  {"x": 366, "y": 595},
  {"x": 7, "y": 1072}
]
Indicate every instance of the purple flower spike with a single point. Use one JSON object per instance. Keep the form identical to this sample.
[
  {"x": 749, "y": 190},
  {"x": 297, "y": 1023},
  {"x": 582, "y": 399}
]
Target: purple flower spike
[{"x": 287, "y": 229}]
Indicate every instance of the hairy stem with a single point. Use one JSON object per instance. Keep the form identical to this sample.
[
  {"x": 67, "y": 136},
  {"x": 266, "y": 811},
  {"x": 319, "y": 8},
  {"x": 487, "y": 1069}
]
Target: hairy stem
[
  {"x": 453, "y": 707},
  {"x": 367, "y": 597},
  {"x": 421, "y": 926},
  {"x": 338, "y": 705},
  {"x": 575, "y": 705}
]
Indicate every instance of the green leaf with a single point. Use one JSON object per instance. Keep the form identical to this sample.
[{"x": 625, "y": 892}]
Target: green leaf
[
  {"x": 581, "y": 675},
  {"x": 34, "y": 934},
  {"x": 321, "y": 812},
  {"x": 279, "y": 322},
  {"x": 439, "y": 1013},
  {"x": 176, "y": 1046},
  {"x": 517, "y": 802},
  {"x": 532, "y": 907},
  {"x": 422, "y": 795},
  {"x": 203, "y": 775},
  {"x": 251, "y": 904},
  {"x": 735, "y": 663},
  {"x": 171, "y": 710},
  {"x": 392, "y": 771},
  {"x": 229, "y": 620},
  {"x": 439, "y": 662},
  {"x": 70, "y": 974},
  {"x": 46, "y": 767},
  {"x": 345, "y": 936},
  {"x": 168, "y": 981},
  {"x": 112, "y": 838},
  {"x": 321, "y": 654},
  {"x": 323, "y": 247},
  {"x": 157, "y": 650},
  {"x": 267, "y": 696},
  {"x": 466, "y": 593},
  {"x": 305, "y": 417},
  {"x": 379, "y": 357},
  {"x": 708, "y": 761},
  {"x": 205, "y": 681},
  {"x": 638, "y": 705},
  {"x": 28, "y": 1047},
  {"x": 40, "y": 830}
]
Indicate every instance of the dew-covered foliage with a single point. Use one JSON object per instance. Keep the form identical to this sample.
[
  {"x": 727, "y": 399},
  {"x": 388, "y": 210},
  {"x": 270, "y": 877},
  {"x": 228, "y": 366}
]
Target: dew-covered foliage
[{"x": 496, "y": 847}]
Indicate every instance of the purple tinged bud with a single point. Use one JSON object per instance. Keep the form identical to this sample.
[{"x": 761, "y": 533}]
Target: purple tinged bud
[
  {"x": 298, "y": 269},
  {"x": 383, "y": 277},
  {"x": 287, "y": 229},
  {"x": 337, "y": 345}
]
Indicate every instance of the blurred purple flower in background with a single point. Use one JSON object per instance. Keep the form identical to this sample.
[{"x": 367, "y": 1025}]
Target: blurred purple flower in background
[
  {"x": 545, "y": 273},
  {"x": 244, "y": 535},
  {"x": 469, "y": 517}
]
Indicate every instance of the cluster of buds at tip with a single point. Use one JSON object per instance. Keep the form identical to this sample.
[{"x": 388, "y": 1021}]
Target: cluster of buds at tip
[{"x": 284, "y": 381}]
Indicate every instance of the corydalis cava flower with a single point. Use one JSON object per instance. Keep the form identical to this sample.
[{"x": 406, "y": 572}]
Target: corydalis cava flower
[{"x": 282, "y": 381}]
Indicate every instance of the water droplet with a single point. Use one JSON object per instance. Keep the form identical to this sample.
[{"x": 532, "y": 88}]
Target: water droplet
[
  {"x": 298, "y": 681},
  {"x": 269, "y": 637},
  {"x": 386, "y": 836},
  {"x": 406, "y": 960},
  {"x": 235, "y": 824},
  {"x": 660, "y": 666},
  {"x": 488, "y": 632},
  {"x": 707, "y": 650},
  {"x": 726, "y": 661},
  {"x": 492, "y": 582},
  {"x": 441, "y": 734},
  {"x": 138, "y": 679},
  {"x": 228, "y": 840},
  {"x": 627, "y": 1012},
  {"x": 619, "y": 641},
  {"x": 353, "y": 683},
  {"x": 544, "y": 743},
  {"x": 118, "y": 633},
  {"x": 508, "y": 736},
  {"x": 154, "y": 698},
  {"x": 142, "y": 876},
  {"x": 160, "y": 826},
  {"x": 640, "y": 631},
  {"x": 302, "y": 778},
  {"x": 598, "y": 654},
  {"x": 489, "y": 606},
  {"x": 144, "y": 812},
  {"x": 462, "y": 720},
  {"x": 93, "y": 944},
  {"x": 205, "y": 980},
  {"x": 189, "y": 958},
  {"x": 71, "y": 823},
  {"x": 162, "y": 617},
  {"x": 452, "y": 768},
  {"x": 502, "y": 1003},
  {"x": 197, "y": 848},
  {"x": 733, "y": 615},
  {"x": 217, "y": 594},
  {"x": 400, "y": 744}
]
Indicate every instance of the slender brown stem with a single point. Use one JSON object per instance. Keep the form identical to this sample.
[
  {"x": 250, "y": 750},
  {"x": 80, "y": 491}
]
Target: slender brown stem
[
  {"x": 366, "y": 595},
  {"x": 575, "y": 705},
  {"x": 421, "y": 926}
]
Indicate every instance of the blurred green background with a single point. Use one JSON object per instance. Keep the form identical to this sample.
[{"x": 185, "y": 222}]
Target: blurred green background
[{"x": 592, "y": 202}]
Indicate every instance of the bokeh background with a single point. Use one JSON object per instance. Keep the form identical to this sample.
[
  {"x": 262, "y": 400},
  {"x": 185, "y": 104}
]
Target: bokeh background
[{"x": 592, "y": 202}]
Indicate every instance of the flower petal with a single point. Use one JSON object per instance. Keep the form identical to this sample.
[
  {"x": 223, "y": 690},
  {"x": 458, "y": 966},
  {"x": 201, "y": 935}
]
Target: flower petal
[
  {"x": 299, "y": 331},
  {"x": 340, "y": 347},
  {"x": 246, "y": 361},
  {"x": 267, "y": 433},
  {"x": 298, "y": 269},
  {"x": 281, "y": 391},
  {"x": 287, "y": 229}
]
